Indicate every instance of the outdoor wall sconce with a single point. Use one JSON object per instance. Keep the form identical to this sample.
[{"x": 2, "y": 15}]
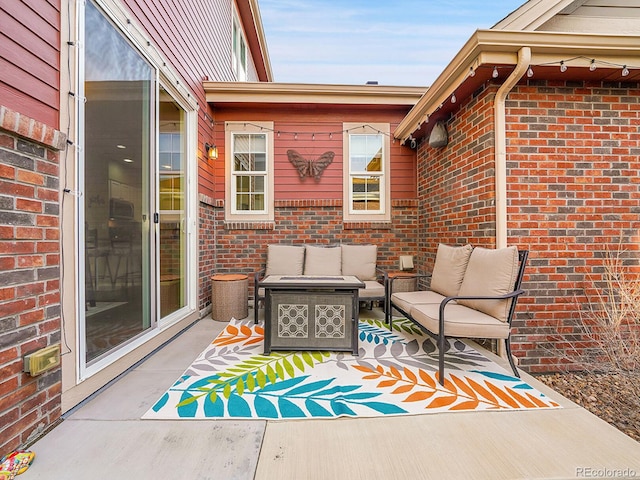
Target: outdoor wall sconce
[{"x": 212, "y": 151}]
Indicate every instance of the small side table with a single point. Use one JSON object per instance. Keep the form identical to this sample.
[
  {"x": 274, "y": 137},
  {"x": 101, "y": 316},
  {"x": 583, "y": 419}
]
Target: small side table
[
  {"x": 408, "y": 284},
  {"x": 229, "y": 297}
]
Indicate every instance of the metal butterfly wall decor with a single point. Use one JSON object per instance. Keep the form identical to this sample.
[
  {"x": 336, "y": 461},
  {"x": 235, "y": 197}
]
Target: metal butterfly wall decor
[{"x": 310, "y": 168}]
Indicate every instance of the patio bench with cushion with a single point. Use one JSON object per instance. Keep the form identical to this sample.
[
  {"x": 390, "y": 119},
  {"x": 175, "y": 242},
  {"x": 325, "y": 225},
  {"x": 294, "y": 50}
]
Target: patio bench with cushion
[
  {"x": 345, "y": 259},
  {"x": 473, "y": 294}
]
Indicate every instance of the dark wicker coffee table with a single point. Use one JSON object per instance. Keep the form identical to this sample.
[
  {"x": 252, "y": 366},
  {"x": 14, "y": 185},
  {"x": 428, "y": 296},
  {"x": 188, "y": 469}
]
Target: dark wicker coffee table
[{"x": 311, "y": 313}]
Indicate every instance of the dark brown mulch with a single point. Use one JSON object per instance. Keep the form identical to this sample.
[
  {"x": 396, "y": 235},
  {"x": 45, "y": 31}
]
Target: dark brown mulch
[{"x": 609, "y": 396}]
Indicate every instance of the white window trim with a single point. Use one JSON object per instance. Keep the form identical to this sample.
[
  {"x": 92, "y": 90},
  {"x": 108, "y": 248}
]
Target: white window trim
[
  {"x": 385, "y": 211},
  {"x": 236, "y": 61},
  {"x": 265, "y": 128}
]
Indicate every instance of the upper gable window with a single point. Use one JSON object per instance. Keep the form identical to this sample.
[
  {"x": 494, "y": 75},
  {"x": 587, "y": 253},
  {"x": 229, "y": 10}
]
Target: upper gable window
[
  {"x": 239, "y": 51},
  {"x": 366, "y": 172}
]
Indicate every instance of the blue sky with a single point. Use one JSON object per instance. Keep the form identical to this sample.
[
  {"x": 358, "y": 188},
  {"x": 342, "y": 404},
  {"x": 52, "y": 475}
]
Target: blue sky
[{"x": 395, "y": 42}]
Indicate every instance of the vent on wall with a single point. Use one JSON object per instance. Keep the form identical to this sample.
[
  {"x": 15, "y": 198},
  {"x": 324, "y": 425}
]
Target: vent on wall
[{"x": 406, "y": 262}]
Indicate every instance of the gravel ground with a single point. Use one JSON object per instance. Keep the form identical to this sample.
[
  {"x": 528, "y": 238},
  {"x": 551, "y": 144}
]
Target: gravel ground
[{"x": 609, "y": 396}]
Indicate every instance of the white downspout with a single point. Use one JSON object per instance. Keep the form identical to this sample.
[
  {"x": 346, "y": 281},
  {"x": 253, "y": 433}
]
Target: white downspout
[{"x": 524, "y": 59}]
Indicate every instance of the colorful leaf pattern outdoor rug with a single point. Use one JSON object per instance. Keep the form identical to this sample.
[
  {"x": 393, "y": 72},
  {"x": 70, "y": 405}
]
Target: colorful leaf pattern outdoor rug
[{"x": 395, "y": 374}]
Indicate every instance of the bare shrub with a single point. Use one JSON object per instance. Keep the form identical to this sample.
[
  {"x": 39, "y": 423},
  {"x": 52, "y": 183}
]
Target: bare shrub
[
  {"x": 599, "y": 354},
  {"x": 612, "y": 319},
  {"x": 607, "y": 339}
]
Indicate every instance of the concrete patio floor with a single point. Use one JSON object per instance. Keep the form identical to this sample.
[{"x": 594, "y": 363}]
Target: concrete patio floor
[{"x": 104, "y": 438}]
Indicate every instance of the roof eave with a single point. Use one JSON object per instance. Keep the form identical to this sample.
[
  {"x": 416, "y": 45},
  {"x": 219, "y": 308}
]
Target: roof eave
[
  {"x": 499, "y": 47},
  {"x": 291, "y": 93},
  {"x": 532, "y": 15}
]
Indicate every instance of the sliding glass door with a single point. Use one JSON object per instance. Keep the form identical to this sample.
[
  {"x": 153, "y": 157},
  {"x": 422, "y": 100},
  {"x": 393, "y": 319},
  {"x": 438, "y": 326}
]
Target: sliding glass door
[
  {"x": 137, "y": 214},
  {"x": 119, "y": 87},
  {"x": 173, "y": 215}
]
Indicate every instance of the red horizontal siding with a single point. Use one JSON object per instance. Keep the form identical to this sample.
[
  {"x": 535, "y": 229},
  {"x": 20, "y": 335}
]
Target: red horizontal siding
[
  {"x": 28, "y": 84},
  {"x": 300, "y": 137},
  {"x": 24, "y": 57},
  {"x": 48, "y": 10},
  {"x": 312, "y": 131},
  {"x": 195, "y": 38},
  {"x": 404, "y": 183},
  {"x": 41, "y": 106},
  {"x": 30, "y": 18},
  {"x": 199, "y": 43},
  {"x": 30, "y": 59}
]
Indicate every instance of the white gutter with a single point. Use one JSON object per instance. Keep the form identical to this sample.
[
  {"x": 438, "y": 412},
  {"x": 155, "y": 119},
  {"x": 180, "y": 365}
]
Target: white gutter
[{"x": 524, "y": 59}]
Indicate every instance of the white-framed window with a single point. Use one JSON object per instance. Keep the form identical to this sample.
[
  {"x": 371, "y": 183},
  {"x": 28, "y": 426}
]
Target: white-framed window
[
  {"x": 238, "y": 50},
  {"x": 249, "y": 192},
  {"x": 366, "y": 172}
]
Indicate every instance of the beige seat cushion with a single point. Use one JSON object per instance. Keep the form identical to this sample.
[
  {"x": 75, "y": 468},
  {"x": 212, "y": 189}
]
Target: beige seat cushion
[
  {"x": 460, "y": 321},
  {"x": 449, "y": 269},
  {"x": 360, "y": 261},
  {"x": 406, "y": 300},
  {"x": 490, "y": 273},
  {"x": 372, "y": 289},
  {"x": 323, "y": 260},
  {"x": 285, "y": 259}
]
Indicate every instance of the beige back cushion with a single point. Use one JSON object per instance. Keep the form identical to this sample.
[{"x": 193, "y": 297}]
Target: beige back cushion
[
  {"x": 490, "y": 273},
  {"x": 323, "y": 260},
  {"x": 449, "y": 269},
  {"x": 285, "y": 259},
  {"x": 360, "y": 261}
]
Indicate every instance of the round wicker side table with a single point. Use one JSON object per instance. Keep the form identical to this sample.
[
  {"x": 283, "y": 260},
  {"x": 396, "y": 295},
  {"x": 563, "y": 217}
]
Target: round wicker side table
[
  {"x": 408, "y": 284},
  {"x": 229, "y": 297}
]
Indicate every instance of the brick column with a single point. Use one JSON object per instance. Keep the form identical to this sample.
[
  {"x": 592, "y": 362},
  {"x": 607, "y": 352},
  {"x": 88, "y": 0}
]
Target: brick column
[{"x": 29, "y": 274}]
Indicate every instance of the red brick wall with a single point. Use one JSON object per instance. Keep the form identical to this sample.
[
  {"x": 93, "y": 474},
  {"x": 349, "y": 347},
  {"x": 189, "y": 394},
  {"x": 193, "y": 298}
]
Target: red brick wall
[
  {"x": 208, "y": 227},
  {"x": 573, "y": 156},
  {"x": 29, "y": 274},
  {"x": 242, "y": 249},
  {"x": 456, "y": 183}
]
